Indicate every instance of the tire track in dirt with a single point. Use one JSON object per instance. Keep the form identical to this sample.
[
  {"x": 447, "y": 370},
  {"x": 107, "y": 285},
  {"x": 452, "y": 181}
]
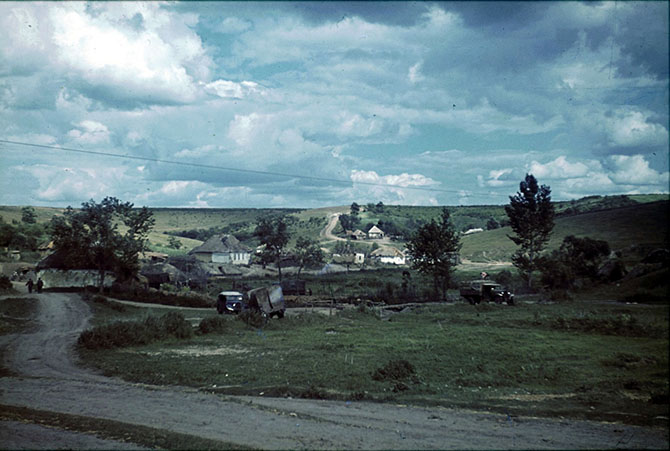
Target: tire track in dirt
[{"x": 50, "y": 380}]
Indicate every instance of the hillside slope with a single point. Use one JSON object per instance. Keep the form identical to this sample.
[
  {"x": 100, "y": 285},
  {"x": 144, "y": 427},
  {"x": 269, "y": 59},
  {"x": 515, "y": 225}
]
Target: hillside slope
[{"x": 641, "y": 225}]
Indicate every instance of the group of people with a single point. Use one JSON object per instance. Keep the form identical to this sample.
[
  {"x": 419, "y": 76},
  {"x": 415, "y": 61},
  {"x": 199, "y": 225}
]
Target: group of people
[{"x": 39, "y": 285}]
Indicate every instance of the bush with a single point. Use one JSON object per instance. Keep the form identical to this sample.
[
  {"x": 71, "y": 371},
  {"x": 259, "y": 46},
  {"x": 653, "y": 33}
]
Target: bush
[
  {"x": 159, "y": 297},
  {"x": 253, "y": 318},
  {"x": 133, "y": 333},
  {"x": 5, "y": 283},
  {"x": 395, "y": 370},
  {"x": 213, "y": 325}
]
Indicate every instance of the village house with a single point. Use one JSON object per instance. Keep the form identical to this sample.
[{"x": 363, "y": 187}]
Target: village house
[
  {"x": 152, "y": 257},
  {"x": 388, "y": 255},
  {"x": 475, "y": 230},
  {"x": 46, "y": 248},
  {"x": 222, "y": 249},
  {"x": 375, "y": 233},
  {"x": 355, "y": 258},
  {"x": 358, "y": 235}
]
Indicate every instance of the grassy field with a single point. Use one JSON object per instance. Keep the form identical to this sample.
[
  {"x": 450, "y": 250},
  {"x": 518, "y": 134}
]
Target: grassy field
[
  {"x": 621, "y": 220},
  {"x": 578, "y": 360},
  {"x": 644, "y": 225}
]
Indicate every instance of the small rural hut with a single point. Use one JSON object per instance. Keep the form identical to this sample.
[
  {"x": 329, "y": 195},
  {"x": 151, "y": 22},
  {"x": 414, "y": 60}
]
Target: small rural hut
[
  {"x": 375, "y": 233},
  {"x": 388, "y": 255},
  {"x": 358, "y": 235}
]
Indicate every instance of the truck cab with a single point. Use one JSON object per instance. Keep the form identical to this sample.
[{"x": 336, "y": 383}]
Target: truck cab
[{"x": 486, "y": 290}]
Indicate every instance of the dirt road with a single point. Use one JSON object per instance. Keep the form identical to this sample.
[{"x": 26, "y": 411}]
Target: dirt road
[
  {"x": 327, "y": 231},
  {"x": 50, "y": 380}
]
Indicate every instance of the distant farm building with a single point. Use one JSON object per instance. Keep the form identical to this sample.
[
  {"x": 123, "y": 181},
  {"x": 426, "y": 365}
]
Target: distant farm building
[
  {"x": 222, "y": 249},
  {"x": 152, "y": 257},
  {"x": 375, "y": 233},
  {"x": 357, "y": 258},
  {"x": 46, "y": 248},
  {"x": 470, "y": 231},
  {"x": 358, "y": 235},
  {"x": 389, "y": 256}
]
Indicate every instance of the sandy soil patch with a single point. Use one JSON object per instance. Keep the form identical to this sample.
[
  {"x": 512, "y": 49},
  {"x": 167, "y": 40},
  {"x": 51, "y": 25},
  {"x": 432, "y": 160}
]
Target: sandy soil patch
[{"x": 197, "y": 351}]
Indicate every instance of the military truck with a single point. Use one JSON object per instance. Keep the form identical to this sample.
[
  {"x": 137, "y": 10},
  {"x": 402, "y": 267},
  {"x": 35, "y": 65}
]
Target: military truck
[
  {"x": 486, "y": 290},
  {"x": 269, "y": 301}
]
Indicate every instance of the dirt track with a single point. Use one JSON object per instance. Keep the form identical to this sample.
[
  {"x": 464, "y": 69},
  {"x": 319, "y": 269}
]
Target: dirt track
[{"x": 52, "y": 381}]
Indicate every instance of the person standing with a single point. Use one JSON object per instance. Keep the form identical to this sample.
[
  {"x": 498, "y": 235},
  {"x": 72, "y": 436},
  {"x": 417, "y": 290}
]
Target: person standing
[
  {"x": 40, "y": 284},
  {"x": 29, "y": 284}
]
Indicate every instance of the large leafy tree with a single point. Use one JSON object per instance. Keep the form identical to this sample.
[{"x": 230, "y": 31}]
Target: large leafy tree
[
  {"x": 434, "y": 250},
  {"x": 531, "y": 216},
  {"x": 308, "y": 253},
  {"x": 349, "y": 222},
  {"x": 273, "y": 234},
  {"x": 28, "y": 215},
  {"x": 577, "y": 258},
  {"x": 89, "y": 238}
]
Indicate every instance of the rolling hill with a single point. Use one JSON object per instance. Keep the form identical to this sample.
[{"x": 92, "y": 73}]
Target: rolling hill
[{"x": 631, "y": 224}]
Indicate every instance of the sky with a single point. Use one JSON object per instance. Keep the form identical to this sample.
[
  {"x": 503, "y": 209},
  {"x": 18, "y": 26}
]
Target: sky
[{"x": 315, "y": 104}]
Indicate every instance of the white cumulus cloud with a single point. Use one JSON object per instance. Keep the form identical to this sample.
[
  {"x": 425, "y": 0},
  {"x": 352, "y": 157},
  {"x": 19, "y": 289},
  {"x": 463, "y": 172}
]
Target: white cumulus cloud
[{"x": 90, "y": 132}]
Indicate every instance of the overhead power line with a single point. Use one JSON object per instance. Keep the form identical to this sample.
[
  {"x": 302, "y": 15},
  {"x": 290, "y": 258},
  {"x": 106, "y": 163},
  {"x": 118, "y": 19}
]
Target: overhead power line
[{"x": 247, "y": 171}]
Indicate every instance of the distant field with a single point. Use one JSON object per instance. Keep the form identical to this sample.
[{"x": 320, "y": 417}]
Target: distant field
[
  {"x": 644, "y": 225},
  {"x": 623, "y": 221}
]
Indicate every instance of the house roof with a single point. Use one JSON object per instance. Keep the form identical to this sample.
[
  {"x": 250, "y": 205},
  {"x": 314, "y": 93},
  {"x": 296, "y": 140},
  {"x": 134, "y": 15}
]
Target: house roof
[
  {"x": 219, "y": 244},
  {"x": 375, "y": 229},
  {"x": 386, "y": 251}
]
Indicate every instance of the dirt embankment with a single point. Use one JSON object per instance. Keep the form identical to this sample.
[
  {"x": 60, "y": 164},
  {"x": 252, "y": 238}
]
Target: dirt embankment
[{"x": 49, "y": 379}]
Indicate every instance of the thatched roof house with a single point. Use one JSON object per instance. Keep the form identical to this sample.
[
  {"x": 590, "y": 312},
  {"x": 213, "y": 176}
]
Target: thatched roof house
[{"x": 222, "y": 249}]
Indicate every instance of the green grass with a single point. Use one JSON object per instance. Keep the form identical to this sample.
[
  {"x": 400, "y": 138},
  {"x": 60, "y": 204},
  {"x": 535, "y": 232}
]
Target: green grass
[
  {"x": 606, "y": 362},
  {"x": 644, "y": 226},
  {"x": 16, "y": 314}
]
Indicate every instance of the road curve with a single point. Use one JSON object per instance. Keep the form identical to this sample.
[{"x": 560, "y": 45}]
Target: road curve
[
  {"x": 327, "y": 231},
  {"x": 50, "y": 380}
]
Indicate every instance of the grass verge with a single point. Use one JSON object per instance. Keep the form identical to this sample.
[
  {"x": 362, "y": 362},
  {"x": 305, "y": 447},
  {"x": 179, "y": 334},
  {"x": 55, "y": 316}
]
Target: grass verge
[
  {"x": 113, "y": 430},
  {"x": 602, "y": 362}
]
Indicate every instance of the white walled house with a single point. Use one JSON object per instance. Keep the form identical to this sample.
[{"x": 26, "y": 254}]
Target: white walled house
[
  {"x": 222, "y": 249},
  {"x": 389, "y": 256},
  {"x": 375, "y": 233}
]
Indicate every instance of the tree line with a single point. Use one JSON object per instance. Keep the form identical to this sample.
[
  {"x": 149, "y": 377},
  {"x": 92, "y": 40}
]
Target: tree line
[{"x": 90, "y": 238}]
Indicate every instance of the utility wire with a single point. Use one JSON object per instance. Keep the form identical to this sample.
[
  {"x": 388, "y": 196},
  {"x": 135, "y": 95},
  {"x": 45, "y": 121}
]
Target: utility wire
[{"x": 247, "y": 171}]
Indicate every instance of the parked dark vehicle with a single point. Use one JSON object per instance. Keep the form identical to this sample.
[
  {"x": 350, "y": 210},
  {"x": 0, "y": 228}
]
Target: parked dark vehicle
[
  {"x": 477, "y": 291},
  {"x": 269, "y": 301},
  {"x": 230, "y": 302}
]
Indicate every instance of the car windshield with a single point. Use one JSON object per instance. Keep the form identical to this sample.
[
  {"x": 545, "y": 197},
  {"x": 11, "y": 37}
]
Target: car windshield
[{"x": 233, "y": 298}]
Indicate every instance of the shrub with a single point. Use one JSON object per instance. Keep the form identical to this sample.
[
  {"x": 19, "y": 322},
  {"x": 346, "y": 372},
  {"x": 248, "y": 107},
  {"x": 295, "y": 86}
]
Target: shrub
[
  {"x": 133, "y": 333},
  {"x": 395, "y": 370},
  {"x": 213, "y": 325},
  {"x": 5, "y": 283},
  {"x": 159, "y": 297},
  {"x": 253, "y": 318}
]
